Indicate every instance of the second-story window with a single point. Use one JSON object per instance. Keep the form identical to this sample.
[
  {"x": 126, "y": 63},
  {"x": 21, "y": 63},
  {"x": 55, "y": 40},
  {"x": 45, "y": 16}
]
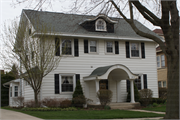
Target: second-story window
[
  {"x": 100, "y": 25},
  {"x": 109, "y": 47},
  {"x": 93, "y": 46},
  {"x": 134, "y": 50},
  {"x": 66, "y": 47}
]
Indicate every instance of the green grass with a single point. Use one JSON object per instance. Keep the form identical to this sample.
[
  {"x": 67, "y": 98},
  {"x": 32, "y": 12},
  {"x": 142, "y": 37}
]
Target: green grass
[
  {"x": 160, "y": 108},
  {"x": 88, "y": 114}
]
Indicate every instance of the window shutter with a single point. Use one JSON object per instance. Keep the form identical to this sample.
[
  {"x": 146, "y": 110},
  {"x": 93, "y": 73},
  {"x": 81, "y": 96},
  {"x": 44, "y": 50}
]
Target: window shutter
[
  {"x": 77, "y": 78},
  {"x": 57, "y": 47},
  {"x": 107, "y": 84},
  {"x": 56, "y": 83},
  {"x": 145, "y": 81},
  {"x": 127, "y": 50},
  {"x": 116, "y": 47},
  {"x": 128, "y": 85},
  {"x": 85, "y": 46},
  {"x": 143, "y": 50},
  {"x": 76, "y": 48}
]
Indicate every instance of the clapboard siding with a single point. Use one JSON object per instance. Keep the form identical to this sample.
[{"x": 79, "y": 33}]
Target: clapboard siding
[{"x": 87, "y": 62}]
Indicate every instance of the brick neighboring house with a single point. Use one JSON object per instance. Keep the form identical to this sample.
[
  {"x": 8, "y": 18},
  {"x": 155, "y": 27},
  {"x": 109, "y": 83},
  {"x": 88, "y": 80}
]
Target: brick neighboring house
[{"x": 161, "y": 63}]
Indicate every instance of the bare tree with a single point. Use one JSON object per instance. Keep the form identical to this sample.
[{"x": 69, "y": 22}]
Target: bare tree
[
  {"x": 36, "y": 54},
  {"x": 167, "y": 18}
]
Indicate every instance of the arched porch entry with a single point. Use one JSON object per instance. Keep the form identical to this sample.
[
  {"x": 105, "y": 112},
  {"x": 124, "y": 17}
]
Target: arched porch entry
[{"x": 110, "y": 77}]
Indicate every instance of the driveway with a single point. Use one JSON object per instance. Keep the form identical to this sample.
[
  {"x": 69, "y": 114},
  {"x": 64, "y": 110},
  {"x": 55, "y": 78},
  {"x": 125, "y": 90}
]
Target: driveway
[{"x": 12, "y": 115}]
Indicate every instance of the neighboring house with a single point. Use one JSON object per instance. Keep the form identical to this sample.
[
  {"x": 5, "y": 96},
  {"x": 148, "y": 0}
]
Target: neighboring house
[
  {"x": 102, "y": 52},
  {"x": 161, "y": 63}
]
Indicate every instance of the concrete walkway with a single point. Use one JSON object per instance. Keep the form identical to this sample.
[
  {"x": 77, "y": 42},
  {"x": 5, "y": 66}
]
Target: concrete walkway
[
  {"x": 146, "y": 111},
  {"x": 12, "y": 115}
]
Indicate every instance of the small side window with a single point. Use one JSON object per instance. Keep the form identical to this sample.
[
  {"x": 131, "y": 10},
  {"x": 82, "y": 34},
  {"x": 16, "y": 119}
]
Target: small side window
[{"x": 15, "y": 91}]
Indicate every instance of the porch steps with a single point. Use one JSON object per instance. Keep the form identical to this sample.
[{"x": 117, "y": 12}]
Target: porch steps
[{"x": 124, "y": 105}]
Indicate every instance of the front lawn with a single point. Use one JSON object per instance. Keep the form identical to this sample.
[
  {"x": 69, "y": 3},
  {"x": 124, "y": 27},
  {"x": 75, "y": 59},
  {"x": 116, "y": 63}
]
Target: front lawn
[
  {"x": 88, "y": 114},
  {"x": 159, "y": 108}
]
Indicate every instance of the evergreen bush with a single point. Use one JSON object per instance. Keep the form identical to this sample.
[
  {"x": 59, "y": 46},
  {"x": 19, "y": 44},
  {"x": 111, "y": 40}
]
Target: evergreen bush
[{"x": 78, "y": 96}]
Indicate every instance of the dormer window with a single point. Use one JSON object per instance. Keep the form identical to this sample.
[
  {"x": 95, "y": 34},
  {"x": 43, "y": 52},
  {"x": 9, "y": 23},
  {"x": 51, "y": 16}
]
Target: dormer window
[{"x": 100, "y": 25}]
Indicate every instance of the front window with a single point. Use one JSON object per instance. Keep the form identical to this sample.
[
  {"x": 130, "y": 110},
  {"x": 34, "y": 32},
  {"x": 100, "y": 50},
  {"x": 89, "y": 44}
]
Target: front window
[
  {"x": 162, "y": 61},
  {"x": 15, "y": 91},
  {"x": 93, "y": 46},
  {"x": 66, "y": 47},
  {"x": 109, "y": 47},
  {"x": 100, "y": 25},
  {"x": 67, "y": 83},
  {"x": 134, "y": 50}
]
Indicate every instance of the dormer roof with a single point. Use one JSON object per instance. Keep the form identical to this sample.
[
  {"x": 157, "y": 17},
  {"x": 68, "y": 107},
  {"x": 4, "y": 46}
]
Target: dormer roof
[{"x": 105, "y": 17}]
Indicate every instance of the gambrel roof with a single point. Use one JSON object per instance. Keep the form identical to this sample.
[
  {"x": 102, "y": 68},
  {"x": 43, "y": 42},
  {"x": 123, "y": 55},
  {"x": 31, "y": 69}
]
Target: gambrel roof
[{"x": 70, "y": 24}]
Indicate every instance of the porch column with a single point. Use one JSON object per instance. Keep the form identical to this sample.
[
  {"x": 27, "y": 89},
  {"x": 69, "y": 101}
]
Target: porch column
[
  {"x": 132, "y": 91},
  {"x": 97, "y": 89}
]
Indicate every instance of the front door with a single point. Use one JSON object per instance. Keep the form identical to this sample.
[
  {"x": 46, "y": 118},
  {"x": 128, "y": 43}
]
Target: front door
[{"x": 103, "y": 84}]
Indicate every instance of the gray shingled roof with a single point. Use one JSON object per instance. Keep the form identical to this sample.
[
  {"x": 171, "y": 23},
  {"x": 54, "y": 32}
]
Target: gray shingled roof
[{"x": 69, "y": 23}]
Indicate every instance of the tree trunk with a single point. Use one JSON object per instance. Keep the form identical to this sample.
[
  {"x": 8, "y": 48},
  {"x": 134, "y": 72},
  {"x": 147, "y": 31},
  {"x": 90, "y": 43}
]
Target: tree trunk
[
  {"x": 36, "y": 98},
  {"x": 172, "y": 105}
]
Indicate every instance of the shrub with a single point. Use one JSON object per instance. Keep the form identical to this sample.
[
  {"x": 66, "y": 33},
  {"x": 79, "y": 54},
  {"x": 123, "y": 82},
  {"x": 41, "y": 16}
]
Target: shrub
[
  {"x": 79, "y": 101},
  {"x": 136, "y": 94},
  {"x": 163, "y": 93},
  {"x": 155, "y": 104},
  {"x": 145, "y": 96},
  {"x": 78, "y": 90},
  {"x": 52, "y": 102},
  {"x": 65, "y": 103},
  {"x": 105, "y": 96},
  {"x": 158, "y": 100},
  {"x": 107, "y": 107},
  {"x": 78, "y": 97},
  {"x": 31, "y": 104}
]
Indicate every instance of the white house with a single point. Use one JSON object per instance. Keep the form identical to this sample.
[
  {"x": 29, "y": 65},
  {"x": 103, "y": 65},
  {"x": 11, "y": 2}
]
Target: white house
[{"x": 103, "y": 53}]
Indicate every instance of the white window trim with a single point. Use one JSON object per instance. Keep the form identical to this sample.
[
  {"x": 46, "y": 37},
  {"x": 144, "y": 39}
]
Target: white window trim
[
  {"x": 72, "y": 46},
  {"x": 139, "y": 49},
  {"x": 105, "y": 29},
  {"x": 160, "y": 61},
  {"x": 97, "y": 47},
  {"x": 74, "y": 82},
  {"x": 106, "y": 47}
]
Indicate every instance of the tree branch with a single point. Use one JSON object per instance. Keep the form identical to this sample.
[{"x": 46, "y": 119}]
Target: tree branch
[
  {"x": 143, "y": 34},
  {"x": 146, "y": 13}
]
